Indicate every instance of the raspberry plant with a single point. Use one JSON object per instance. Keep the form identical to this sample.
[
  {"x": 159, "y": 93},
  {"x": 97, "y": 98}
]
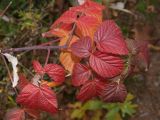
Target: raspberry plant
[{"x": 92, "y": 50}]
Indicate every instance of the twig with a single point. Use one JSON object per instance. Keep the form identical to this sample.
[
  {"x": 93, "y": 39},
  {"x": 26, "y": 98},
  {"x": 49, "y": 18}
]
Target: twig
[
  {"x": 50, "y": 42},
  {"x": 43, "y": 44},
  {"x": 47, "y": 58},
  {"x": 71, "y": 35},
  {"x": 36, "y": 47},
  {"x": 157, "y": 48},
  {"x": 6, "y": 9},
  {"x": 9, "y": 73},
  {"x": 41, "y": 47}
]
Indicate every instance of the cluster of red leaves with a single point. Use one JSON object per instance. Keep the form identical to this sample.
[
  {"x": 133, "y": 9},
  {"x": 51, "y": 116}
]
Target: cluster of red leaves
[
  {"x": 95, "y": 57},
  {"x": 35, "y": 96},
  {"x": 41, "y": 97},
  {"x": 102, "y": 61},
  {"x": 87, "y": 17}
]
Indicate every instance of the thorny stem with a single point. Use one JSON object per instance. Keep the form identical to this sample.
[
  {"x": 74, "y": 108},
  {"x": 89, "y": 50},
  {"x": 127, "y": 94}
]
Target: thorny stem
[{"x": 9, "y": 73}]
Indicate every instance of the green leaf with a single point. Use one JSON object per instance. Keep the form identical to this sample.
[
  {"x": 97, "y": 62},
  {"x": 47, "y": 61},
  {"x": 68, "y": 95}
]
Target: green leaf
[
  {"x": 129, "y": 97},
  {"x": 110, "y": 106},
  {"x": 113, "y": 114},
  {"x": 93, "y": 105},
  {"x": 141, "y": 6},
  {"x": 99, "y": 1},
  {"x": 78, "y": 113},
  {"x": 128, "y": 108}
]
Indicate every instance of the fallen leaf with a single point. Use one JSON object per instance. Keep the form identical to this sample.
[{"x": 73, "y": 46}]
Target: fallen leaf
[
  {"x": 14, "y": 61},
  {"x": 120, "y": 6}
]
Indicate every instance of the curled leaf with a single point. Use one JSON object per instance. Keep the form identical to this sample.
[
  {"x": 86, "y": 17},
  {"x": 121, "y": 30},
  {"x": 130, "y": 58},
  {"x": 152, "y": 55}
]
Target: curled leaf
[{"x": 14, "y": 61}]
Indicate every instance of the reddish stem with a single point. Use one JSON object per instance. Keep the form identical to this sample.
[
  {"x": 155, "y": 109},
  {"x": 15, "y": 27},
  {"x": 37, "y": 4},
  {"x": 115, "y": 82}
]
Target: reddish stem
[
  {"x": 36, "y": 47},
  {"x": 47, "y": 58}
]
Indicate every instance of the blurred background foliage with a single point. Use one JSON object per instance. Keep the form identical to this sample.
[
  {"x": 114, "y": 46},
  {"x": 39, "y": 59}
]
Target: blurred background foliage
[{"x": 25, "y": 21}]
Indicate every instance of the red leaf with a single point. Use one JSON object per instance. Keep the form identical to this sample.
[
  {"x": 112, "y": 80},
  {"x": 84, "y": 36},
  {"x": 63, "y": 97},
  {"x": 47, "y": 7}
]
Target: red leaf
[
  {"x": 67, "y": 17},
  {"x": 22, "y": 82},
  {"x": 89, "y": 9},
  {"x": 114, "y": 92},
  {"x": 80, "y": 75},
  {"x": 90, "y": 90},
  {"x": 15, "y": 114},
  {"x": 109, "y": 39},
  {"x": 40, "y": 98},
  {"x": 56, "y": 72},
  {"x": 106, "y": 65},
  {"x": 87, "y": 25},
  {"x": 82, "y": 47},
  {"x": 37, "y": 67}
]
